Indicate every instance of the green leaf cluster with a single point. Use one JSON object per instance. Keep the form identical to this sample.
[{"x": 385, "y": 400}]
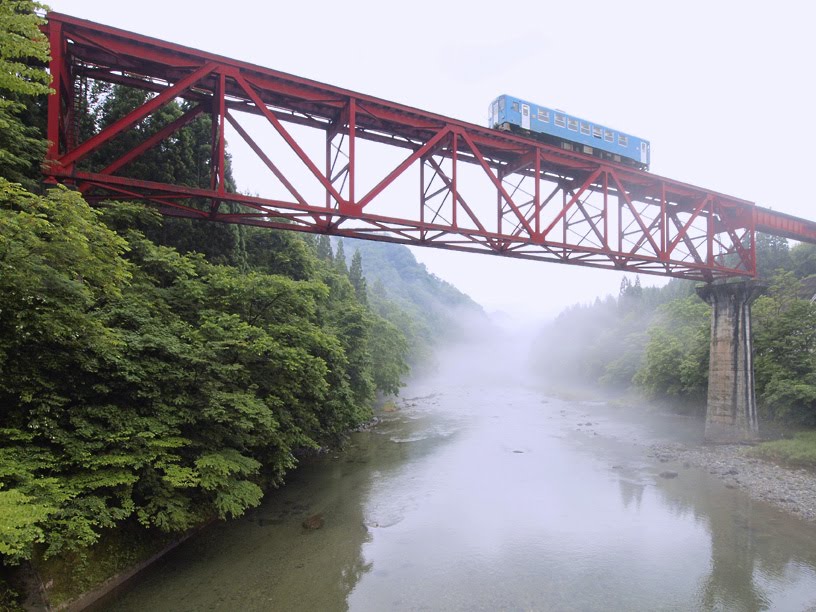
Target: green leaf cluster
[
  {"x": 675, "y": 363},
  {"x": 784, "y": 325},
  {"x": 24, "y": 83}
]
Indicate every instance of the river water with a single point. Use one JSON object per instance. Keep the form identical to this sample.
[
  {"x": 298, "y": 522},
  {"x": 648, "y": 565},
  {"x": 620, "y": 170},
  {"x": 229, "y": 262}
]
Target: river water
[{"x": 484, "y": 492}]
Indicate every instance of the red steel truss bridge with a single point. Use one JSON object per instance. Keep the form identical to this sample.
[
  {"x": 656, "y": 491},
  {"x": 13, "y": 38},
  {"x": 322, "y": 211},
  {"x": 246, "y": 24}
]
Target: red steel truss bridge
[{"x": 343, "y": 163}]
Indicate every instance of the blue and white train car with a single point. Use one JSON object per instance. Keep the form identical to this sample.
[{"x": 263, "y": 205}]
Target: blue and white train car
[{"x": 569, "y": 132}]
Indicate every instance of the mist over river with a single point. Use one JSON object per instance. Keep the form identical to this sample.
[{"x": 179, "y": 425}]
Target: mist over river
[{"x": 484, "y": 492}]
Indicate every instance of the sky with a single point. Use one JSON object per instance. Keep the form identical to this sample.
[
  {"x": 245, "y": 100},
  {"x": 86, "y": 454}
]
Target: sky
[{"x": 724, "y": 90}]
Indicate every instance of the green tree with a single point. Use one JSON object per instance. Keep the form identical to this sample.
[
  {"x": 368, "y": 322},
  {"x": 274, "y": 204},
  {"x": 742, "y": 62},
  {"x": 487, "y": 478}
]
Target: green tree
[
  {"x": 24, "y": 52},
  {"x": 324, "y": 248},
  {"x": 803, "y": 257},
  {"x": 183, "y": 159},
  {"x": 348, "y": 320},
  {"x": 675, "y": 364},
  {"x": 357, "y": 277},
  {"x": 426, "y": 309},
  {"x": 785, "y": 346},
  {"x": 280, "y": 252},
  {"x": 340, "y": 259},
  {"x": 772, "y": 254},
  {"x": 389, "y": 355},
  {"x": 58, "y": 263}
]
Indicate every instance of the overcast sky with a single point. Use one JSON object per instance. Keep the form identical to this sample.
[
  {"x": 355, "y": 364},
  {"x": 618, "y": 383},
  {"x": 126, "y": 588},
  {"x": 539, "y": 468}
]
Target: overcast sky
[{"x": 724, "y": 90}]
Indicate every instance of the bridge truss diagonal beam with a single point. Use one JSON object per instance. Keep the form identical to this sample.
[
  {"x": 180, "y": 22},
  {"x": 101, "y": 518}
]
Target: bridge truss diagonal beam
[{"x": 349, "y": 164}]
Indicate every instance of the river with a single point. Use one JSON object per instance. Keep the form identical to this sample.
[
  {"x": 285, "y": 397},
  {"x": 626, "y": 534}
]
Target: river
[{"x": 484, "y": 492}]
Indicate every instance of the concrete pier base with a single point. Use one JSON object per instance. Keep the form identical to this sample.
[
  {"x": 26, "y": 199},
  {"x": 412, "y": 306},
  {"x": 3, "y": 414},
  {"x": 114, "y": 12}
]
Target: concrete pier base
[{"x": 731, "y": 412}]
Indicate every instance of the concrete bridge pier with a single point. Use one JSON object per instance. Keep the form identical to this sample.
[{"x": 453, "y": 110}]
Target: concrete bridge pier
[{"x": 731, "y": 415}]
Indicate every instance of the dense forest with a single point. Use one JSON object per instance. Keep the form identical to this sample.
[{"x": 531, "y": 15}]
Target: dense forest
[
  {"x": 656, "y": 340},
  {"x": 156, "y": 374}
]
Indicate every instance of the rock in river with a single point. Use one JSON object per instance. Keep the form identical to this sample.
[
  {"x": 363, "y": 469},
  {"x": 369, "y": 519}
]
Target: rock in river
[{"x": 313, "y": 522}]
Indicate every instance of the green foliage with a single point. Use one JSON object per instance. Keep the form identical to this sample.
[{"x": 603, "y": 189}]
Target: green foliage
[
  {"x": 219, "y": 472},
  {"x": 23, "y": 54},
  {"x": 357, "y": 277},
  {"x": 676, "y": 358},
  {"x": 58, "y": 263},
  {"x": 20, "y": 43},
  {"x": 324, "y": 248},
  {"x": 803, "y": 258},
  {"x": 340, "y": 259},
  {"x": 348, "y": 319},
  {"x": 280, "y": 252},
  {"x": 785, "y": 352},
  {"x": 21, "y": 517},
  {"x": 773, "y": 254},
  {"x": 389, "y": 355}
]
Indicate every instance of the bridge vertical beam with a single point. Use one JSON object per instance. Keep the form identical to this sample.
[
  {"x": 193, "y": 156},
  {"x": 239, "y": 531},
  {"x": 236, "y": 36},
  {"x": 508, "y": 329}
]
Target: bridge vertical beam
[
  {"x": 731, "y": 415},
  {"x": 58, "y": 84}
]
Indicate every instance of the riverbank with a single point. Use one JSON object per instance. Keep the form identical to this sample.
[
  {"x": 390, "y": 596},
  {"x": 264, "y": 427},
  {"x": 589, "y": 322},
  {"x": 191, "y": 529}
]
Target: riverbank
[
  {"x": 499, "y": 497},
  {"x": 792, "y": 490}
]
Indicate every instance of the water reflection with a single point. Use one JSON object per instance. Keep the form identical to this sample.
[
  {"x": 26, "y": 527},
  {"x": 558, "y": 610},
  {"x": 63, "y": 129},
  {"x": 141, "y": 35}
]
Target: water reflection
[
  {"x": 631, "y": 493},
  {"x": 760, "y": 559},
  {"x": 483, "y": 494}
]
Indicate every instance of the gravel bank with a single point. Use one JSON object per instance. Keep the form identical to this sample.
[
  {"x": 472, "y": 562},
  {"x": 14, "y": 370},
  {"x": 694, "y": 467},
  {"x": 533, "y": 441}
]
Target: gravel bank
[{"x": 792, "y": 490}]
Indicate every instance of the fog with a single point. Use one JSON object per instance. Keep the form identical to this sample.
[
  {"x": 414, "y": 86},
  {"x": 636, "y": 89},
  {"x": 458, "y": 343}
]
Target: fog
[
  {"x": 482, "y": 489},
  {"x": 492, "y": 350}
]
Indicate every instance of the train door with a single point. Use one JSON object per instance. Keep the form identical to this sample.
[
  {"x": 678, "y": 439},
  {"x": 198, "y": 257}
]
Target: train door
[
  {"x": 525, "y": 116},
  {"x": 644, "y": 153}
]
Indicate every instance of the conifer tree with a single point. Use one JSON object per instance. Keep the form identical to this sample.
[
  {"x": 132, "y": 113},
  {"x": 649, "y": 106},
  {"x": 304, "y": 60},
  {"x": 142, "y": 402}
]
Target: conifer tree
[
  {"x": 340, "y": 259},
  {"x": 357, "y": 278},
  {"x": 324, "y": 249}
]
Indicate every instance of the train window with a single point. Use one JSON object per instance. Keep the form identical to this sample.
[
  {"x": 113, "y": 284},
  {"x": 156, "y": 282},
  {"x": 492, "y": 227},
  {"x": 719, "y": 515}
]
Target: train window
[
  {"x": 560, "y": 120},
  {"x": 501, "y": 104},
  {"x": 543, "y": 115},
  {"x": 585, "y": 128},
  {"x": 623, "y": 140},
  {"x": 515, "y": 106},
  {"x": 609, "y": 136},
  {"x": 597, "y": 132},
  {"x": 572, "y": 124}
]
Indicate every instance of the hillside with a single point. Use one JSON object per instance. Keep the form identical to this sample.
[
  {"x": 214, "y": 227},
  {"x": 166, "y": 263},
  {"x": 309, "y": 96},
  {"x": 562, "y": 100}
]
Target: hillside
[{"x": 432, "y": 310}]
